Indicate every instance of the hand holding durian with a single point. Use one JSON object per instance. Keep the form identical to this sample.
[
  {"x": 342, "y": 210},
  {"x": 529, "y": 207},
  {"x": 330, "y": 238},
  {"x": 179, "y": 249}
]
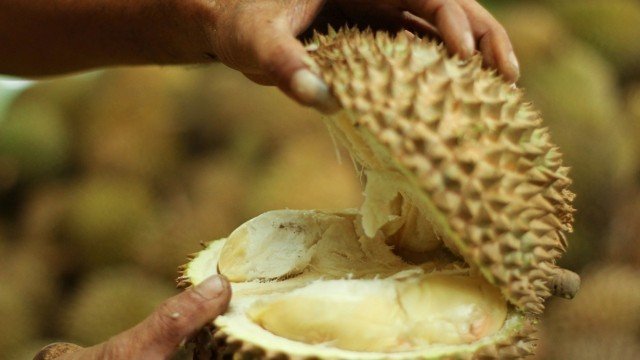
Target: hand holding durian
[
  {"x": 256, "y": 37},
  {"x": 158, "y": 336}
]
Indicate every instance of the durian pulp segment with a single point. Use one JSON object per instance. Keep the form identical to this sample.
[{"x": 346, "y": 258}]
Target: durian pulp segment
[
  {"x": 315, "y": 279},
  {"x": 385, "y": 315}
]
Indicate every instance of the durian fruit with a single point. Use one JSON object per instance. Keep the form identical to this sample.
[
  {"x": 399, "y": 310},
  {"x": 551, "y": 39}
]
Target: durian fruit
[
  {"x": 603, "y": 322},
  {"x": 611, "y": 26},
  {"x": 110, "y": 301},
  {"x": 452, "y": 253},
  {"x": 102, "y": 218}
]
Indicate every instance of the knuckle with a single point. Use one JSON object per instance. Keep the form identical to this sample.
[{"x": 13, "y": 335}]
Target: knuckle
[
  {"x": 273, "y": 59},
  {"x": 174, "y": 317},
  {"x": 499, "y": 31},
  {"x": 194, "y": 303},
  {"x": 493, "y": 27}
]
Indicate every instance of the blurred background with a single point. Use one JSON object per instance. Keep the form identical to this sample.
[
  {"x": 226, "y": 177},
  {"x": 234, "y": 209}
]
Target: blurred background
[{"x": 109, "y": 179}]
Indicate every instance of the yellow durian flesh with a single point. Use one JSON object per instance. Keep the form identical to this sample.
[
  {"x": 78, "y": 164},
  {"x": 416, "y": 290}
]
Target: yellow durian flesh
[{"x": 386, "y": 316}]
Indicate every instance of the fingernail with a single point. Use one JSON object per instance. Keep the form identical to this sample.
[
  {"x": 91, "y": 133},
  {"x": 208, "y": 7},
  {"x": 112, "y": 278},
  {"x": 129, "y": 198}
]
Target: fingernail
[
  {"x": 514, "y": 64},
  {"x": 211, "y": 288},
  {"x": 469, "y": 44},
  {"x": 311, "y": 90}
]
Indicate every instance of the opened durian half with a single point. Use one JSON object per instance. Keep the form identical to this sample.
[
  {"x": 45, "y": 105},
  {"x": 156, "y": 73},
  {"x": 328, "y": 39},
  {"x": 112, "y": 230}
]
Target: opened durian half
[{"x": 453, "y": 251}]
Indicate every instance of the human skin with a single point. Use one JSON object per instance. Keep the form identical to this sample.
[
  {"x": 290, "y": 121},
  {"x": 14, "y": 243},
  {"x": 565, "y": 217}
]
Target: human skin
[
  {"x": 256, "y": 37},
  {"x": 160, "y": 334}
]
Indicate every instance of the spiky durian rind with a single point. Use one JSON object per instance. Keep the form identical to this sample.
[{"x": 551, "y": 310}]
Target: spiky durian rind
[
  {"x": 491, "y": 178},
  {"x": 214, "y": 344}
]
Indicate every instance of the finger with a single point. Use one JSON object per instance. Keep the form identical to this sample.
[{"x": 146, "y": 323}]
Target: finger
[
  {"x": 493, "y": 40},
  {"x": 173, "y": 321},
  {"x": 282, "y": 58},
  {"x": 260, "y": 79},
  {"x": 451, "y": 21},
  {"x": 420, "y": 26}
]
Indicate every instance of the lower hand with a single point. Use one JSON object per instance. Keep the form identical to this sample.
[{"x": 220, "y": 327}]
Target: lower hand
[{"x": 159, "y": 335}]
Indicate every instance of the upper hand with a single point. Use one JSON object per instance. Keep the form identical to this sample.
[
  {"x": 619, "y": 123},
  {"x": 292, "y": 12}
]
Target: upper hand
[
  {"x": 159, "y": 335},
  {"x": 258, "y": 37}
]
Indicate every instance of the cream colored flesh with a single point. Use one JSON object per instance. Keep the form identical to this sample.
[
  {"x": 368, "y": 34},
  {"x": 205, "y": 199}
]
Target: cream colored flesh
[
  {"x": 385, "y": 315},
  {"x": 316, "y": 279}
]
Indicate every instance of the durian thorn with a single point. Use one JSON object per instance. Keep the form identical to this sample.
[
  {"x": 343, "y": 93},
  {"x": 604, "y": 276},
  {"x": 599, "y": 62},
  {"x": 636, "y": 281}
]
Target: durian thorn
[{"x": 564, "y": 283}]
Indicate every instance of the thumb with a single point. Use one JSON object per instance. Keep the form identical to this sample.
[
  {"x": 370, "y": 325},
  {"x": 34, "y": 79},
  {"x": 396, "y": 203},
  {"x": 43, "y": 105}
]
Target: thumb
[
  {"x": 282, "y": 57},
  {"x": 178, "y": 318}
]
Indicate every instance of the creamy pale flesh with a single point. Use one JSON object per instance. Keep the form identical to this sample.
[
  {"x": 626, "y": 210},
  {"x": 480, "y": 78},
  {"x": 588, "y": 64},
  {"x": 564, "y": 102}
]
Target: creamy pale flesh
[
  {"x": 324, "y": 278},
  {"x": 385, "y": 315}
]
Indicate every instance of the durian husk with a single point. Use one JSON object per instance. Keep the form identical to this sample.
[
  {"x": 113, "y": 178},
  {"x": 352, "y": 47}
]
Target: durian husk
[
  {"x": 482, "y": 166},
  {"x": 463, "y": 147}
]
